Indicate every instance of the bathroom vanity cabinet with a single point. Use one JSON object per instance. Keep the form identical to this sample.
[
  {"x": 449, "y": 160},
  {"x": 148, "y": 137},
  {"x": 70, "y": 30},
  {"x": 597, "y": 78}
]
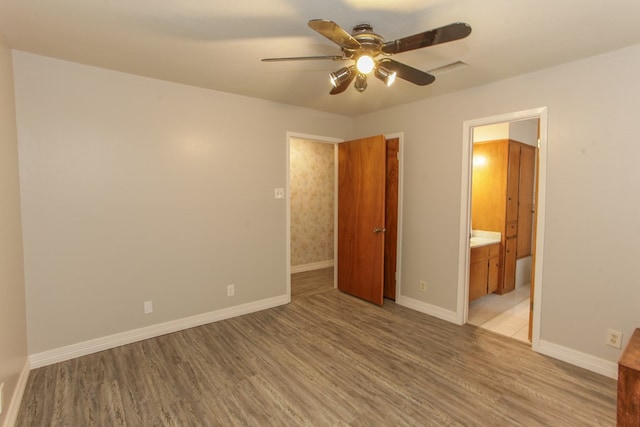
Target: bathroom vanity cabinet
[
  {"x": 503, "y": 193},
  {"x": 484, "y": 270}
]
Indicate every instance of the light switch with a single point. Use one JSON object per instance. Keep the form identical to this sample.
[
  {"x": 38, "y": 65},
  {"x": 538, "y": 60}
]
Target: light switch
[{"x": 279, "y": 193}]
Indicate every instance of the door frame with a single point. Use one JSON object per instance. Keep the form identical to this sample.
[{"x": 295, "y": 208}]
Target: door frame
[
  {"x": 541, "y": 114},
  {"x": 287, "y": 192},
  {"x": 335, "y": 142}
]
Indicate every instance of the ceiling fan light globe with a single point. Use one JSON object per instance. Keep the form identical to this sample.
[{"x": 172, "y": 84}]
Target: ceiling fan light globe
[
  {"x": 392, "y": 78},
  {"x": 361, "y": 82},
  {"x": 340, "y": 76},
  {"x": 365, "y": 64},
  {"x": 385, "y": 75}
]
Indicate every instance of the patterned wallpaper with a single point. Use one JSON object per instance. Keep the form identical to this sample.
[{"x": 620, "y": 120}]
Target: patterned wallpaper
[{"x": 312, "y": 187}]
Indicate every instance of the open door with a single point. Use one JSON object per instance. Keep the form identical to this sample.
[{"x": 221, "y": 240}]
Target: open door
[
  {"x": 361, "y": 217},
  {"x": 534, "y": 211},
  {"x": 391, "y": 218}
]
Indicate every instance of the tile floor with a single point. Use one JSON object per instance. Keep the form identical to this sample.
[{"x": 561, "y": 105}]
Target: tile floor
[{"x": 506, "y": 314}]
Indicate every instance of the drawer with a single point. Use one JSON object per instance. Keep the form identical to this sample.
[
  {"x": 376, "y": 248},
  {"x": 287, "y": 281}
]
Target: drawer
[
  {"x": 494, "y": 250},
  {"x": 480, "y": 253}
]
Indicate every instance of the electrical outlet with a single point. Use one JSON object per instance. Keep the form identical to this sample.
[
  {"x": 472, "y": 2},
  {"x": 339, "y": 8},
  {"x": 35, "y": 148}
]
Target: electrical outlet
[
  {"x": 148, "y": 307},
  {"x": 231, "y": 290},
  {"x": 423, "y": 285},
  {"x": 614, "y": 338}
]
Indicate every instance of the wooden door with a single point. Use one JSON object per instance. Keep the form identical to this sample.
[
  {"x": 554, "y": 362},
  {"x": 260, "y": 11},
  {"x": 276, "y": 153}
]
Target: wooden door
[
  {"x": 391, "y": 218},
  {"x": 509, "y": 276},
  {"x": 511, "y": 220},
  {"x": 513, "y": 175},
  {"x": 361, "y": 217},
  {"x": 534, "y": 237},
  {"x": 494, "y": 269},
  {"x": 478, "y": 271}
]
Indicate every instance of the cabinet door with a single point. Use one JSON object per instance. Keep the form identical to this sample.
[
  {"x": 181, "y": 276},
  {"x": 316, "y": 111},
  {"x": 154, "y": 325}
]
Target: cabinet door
[
  {"x": 509, "y": 281},
  {"x": 478, "y": 279},
  {"x": 513, "y": 176},
  {"x": 511, "y": 229},
  {"x": 494, "y": 275},
  {"x": 525, "y": 200}
]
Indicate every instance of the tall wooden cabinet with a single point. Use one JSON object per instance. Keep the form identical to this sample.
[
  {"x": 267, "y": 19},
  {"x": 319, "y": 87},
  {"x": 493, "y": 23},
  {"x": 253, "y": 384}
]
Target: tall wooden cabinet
[{"x": 502, "y": 200}]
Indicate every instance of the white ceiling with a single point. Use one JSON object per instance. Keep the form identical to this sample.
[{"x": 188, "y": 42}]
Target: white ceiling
[{"x": 218, "y": 45}]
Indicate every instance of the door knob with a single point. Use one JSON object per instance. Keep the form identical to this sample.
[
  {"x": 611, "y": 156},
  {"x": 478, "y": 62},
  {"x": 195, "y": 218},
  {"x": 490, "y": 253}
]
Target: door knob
[{"x": 379, "y": 230}]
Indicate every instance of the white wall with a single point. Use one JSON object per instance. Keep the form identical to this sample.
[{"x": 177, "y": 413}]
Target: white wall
[
  {"x": 136, "y": 189},
  {"x": 491, "y": 132},
  {"x": 13, "y": 345},
  {"x": 525, "y": 131},
  {"x": 592, "y": 206}
]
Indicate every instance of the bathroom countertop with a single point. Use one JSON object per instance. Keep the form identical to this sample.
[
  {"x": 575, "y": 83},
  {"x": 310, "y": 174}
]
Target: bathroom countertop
[{"x": 483, "y": 238}]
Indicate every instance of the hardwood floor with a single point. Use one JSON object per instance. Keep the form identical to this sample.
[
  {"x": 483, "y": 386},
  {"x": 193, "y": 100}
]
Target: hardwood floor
[{"x": 325, "y": 359}]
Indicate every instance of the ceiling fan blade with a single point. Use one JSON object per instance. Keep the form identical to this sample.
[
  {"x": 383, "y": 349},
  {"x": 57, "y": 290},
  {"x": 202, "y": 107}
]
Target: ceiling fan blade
[
  {"x": 335, "y": 33},
  {"x": 408, "y": 73},
  {"x": 343, "y": 86},
  {"x": 304, "y": 58},
  {"x": 451, "y": 32}
]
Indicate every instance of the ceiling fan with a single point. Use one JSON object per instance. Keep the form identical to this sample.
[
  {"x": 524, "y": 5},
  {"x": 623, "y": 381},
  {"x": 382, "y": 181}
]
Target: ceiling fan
[{"x": 364, "y": 47}]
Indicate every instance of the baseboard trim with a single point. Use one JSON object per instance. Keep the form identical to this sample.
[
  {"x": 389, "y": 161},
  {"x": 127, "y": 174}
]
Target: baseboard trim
[
  {"x": 430, "y": 309},
  {"x": 18, "y": 393},
  {"x": 312, "y": 266},
  {"x": 577, "y": 358},
  {"x": 72, "y": 351}
]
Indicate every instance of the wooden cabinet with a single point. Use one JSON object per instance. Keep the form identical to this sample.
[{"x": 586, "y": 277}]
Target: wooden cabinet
[
  {"x": 509, "y": 273},
  {"x": 484, "y": 270},
  {"x": 494, "y": 268},
  {"x": 513, "y": 179},
  {"x": 502, "y": 200},
  {"x": 629, "y": 383},
  {"x": 526, "y": 194}
]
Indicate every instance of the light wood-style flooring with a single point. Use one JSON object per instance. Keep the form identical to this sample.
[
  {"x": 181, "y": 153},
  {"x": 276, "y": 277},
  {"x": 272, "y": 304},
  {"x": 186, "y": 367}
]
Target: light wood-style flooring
[
  {"x": 506, "y": 314},
  {"x": 326, "y": 359}
]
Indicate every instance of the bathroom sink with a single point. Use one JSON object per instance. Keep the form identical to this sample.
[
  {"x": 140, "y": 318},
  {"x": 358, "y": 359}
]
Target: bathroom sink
[{"x": 483, "y": 238}]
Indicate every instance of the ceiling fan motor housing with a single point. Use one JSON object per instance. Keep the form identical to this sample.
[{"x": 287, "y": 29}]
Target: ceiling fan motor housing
[{"x": 370, "y": 42}]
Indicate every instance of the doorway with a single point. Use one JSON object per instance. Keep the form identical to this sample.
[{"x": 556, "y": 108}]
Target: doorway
[
  {"x": 504, "y": 158},
  {"x": 466, "y": 226},
  {"x": 394, "y": 235}
]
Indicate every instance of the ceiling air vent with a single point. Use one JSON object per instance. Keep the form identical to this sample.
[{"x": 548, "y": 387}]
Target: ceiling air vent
[{"x": 449, "y": 67}]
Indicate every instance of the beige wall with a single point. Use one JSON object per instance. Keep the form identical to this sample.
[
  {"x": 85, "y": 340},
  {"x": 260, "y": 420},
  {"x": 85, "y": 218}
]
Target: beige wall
[
  {"x": 137, "y": 189},
  {"x": 525, "y": 131},
  {"x": 590, "y": 282},
  {"x": 13, "y": 333},
  {"x": 491, "y": 132},
  {"x": 312, "y": 176}
]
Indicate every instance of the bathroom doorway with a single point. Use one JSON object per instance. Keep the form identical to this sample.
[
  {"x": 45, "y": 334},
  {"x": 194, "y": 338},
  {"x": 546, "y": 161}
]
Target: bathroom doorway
[
  {"x": 503, "y": 164},
  {"x": 512, "y": 306}
]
